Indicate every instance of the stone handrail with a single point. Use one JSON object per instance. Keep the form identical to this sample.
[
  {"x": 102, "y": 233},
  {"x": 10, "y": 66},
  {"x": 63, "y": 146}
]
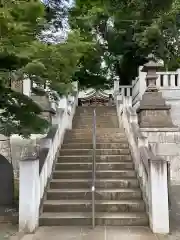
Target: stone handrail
[
  {"x": 36, "y": 169},
  {"x": 125, "y": 90},
  {"x": 152, "y": 172}
]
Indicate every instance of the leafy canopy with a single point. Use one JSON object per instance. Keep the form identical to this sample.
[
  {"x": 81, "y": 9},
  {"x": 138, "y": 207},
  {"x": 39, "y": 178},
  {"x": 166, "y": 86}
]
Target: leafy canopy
[
  {"x": 127, "y": 32},
  {"x": 23, "y": 53}
]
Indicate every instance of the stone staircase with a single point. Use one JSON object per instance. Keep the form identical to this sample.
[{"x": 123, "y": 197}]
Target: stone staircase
[{"x": 118, "y": 195}]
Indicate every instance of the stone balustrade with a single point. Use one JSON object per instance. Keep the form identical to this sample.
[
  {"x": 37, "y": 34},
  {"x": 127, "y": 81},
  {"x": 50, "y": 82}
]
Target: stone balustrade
[
  {"x": 167, "y": 82},
  {"x": 36, "y": 169},
  {"x": 125, "y": 90},
  {"x": 152, "y": 172},
  {"x": 168, "y": 79}
]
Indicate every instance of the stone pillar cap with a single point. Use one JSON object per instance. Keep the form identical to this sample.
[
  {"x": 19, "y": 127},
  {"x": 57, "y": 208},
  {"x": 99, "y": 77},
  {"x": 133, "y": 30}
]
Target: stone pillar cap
[{"x": 152, "y": 63}]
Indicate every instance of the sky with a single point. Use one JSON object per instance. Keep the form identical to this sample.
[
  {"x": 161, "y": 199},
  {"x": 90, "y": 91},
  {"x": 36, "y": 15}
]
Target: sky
[{"x": 58, "y": 35}]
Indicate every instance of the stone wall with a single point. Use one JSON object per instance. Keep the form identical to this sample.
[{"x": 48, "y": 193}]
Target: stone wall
[
  {"x": 18, "y": 144},
  {"x": 18, "y": 147},
  {"x": 172, "y": 97},
  {"x": 12, "y": 148},
  {"x": 166, "y": 143},
  {"x": 17, "y": 86}
]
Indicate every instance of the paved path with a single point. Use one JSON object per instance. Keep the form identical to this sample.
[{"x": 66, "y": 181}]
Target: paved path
[
  {"x": 99, "y": 233},
  {"x": 106, "y": 233},
  {"x": 7, "y": 230}
]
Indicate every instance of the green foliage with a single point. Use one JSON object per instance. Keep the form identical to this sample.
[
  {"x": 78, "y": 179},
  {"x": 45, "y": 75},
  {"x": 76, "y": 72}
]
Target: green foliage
[
  {"x": 23, "y": 54},
  {"x": 20, "y": 24},
  {"x": 128, "y": 32},
  {"x": 59, "y": 62},
  {"x": 108, "y": 40}
]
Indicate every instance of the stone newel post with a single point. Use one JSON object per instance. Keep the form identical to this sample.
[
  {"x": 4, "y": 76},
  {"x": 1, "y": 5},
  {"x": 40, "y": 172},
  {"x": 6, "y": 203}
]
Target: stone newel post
[
  {"x": 153, "y": 112},
  {"x": 29, "y": 190},
  {"x": 116, "y": 90},
  {"x": 155, "y": 123}
]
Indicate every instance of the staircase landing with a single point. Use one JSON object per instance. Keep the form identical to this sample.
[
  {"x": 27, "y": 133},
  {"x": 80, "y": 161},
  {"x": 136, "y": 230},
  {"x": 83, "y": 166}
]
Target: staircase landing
[{"x": 99, "y": 233}]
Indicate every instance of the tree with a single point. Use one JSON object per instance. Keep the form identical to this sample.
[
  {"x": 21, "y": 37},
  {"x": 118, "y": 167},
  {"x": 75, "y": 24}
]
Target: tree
[
  {"x": 23, "y": 53},
  {"x": 129, "y": 31}
]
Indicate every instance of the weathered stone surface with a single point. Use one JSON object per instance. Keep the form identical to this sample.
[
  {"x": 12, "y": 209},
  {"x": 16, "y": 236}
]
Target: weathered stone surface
[
  {"x": 153, "y": 111},
  {"x": 18, "y": 146},
  {"x": 100, "y": 233},
  {"x": 167, "y": 145},
  {"x": 153, "y": 100}
]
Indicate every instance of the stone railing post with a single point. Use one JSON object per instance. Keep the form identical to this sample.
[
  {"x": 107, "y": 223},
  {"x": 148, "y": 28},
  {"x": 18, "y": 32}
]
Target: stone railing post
[
  {"x": 116, "y": 90},
  {"x": 45, "y": 145},
  {"x": 69, "y": 109},
  {"x": 119, "y": 105},
  {"x": 178, "y": 78},
  {"x": 56, "y": 118},
  {"x": 29, "y": 193},
  {"x": 54, "y": 112},
  {"x": 69, "y": 115},
  {"x": 142, "y": 82},
  {"x": 75, "y": 85},
  {"x": 153, "y": 112},
  {"x": 27, "y": 87},
  {"x": 159, "y": 210},
  {"x": 127, "y": 101},
  {"x": 53, "y": 105},
  {"x": 63, "y": 104}
]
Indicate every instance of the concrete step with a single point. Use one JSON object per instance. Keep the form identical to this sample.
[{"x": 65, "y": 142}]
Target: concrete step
[
  {"x": 90, "y": 109},
  {"x": 86, "y": 206},
  {"x": 89, "y": 117},
  {"x": 104, "y": 117},
  {"x": 67, "y": 152},
  {"x": 98, "y": 112},
  {"x": 80, "y": 219},
  {"x": 98, "y": 146},
  {"x": 98, "y": 126},
  {"x": 99, "y": 158},
  {"x": 99, "y": 166},
  {"x": 101, "y": 131},
  {"x": 100, "y": 183},
  {"x": 118, "y": 197},
  {"x": 101, "y": 120},
  {"x": 100, "y": 194},
  {"x": 62, "y": 174},
  {"x": 103, "y": 109},
  {"x": 98, "y": 140},
  {"x": 98, "y": 136}
]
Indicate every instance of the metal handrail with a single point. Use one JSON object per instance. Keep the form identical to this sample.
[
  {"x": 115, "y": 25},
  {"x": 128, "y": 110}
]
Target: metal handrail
[{"x": 93, "y": 167}]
